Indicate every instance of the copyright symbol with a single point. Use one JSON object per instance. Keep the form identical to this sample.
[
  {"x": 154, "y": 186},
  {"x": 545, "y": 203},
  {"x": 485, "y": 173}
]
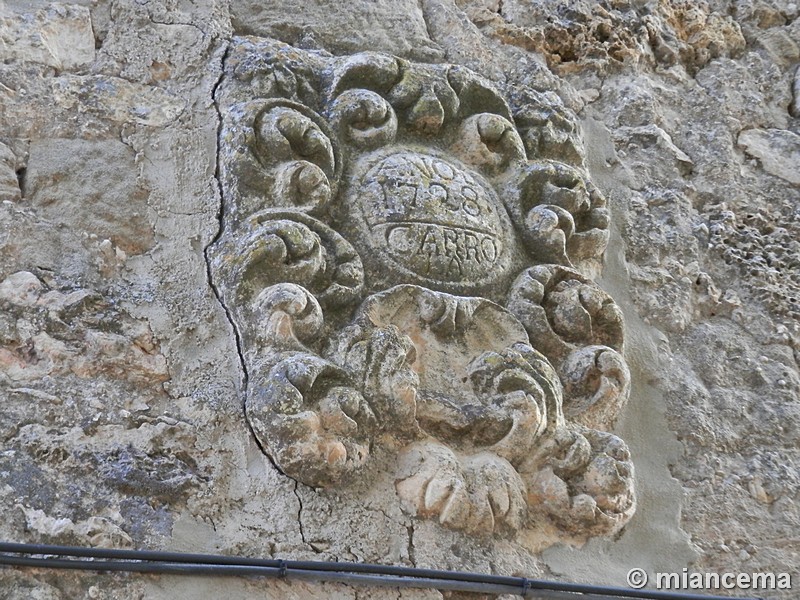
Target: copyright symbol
[{"x": 637, "y": 578}]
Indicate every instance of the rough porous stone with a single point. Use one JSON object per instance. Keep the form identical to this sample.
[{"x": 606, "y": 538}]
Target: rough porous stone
[{"x": 392, "y": 282}]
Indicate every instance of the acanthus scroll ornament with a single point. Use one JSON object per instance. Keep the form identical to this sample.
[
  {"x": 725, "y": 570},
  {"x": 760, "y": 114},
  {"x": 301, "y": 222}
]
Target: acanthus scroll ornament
[{"x": 411, "y": 271}]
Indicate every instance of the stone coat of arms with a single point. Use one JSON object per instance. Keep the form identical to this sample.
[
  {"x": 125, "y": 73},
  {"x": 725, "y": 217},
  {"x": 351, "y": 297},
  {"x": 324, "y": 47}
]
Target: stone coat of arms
[{"x": 407, "y": 256}]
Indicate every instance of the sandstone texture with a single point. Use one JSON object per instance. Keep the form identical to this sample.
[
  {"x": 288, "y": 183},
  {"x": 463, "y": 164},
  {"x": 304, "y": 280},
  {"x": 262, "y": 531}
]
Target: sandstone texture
[{"x": 500, "y": 286}]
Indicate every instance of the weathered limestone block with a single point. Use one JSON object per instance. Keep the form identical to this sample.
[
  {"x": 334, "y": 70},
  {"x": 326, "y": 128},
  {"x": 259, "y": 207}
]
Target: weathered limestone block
[
  {"x": 777, "y": 149},
  {"x": 608, "y": 35},
  {"x": 79, "y": 106},
  {"x": 47, "y": 332},
  {"x": 9, "y": 182},
  {"x": 410, "y": 274},
  {"x": 59, "y": 36},
  {"x": 117, "y": 211},
  {"x": 372, "y": 25}
]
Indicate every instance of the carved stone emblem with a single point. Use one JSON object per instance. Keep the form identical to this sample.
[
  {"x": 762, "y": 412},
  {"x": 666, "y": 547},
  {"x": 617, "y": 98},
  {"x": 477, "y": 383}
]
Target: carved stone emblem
[
  {"x": 428, "y": 220},
  {"x": 407, "y": 258}
]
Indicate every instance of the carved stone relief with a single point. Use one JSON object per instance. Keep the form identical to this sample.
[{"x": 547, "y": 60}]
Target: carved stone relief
[{"x": 410, "y": 273}]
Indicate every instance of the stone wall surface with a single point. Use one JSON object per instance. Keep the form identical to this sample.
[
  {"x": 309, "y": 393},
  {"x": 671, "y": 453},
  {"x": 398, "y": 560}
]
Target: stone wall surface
[{"x": 188, "y": 253}]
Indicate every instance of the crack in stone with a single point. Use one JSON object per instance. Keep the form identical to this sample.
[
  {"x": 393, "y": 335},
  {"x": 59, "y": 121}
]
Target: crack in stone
[
  {"x": 411, "y": 554},
  {"x": 193, "y": 25},
  {"x": 218, "y": 294},
  {"x": 209, "y": 274},
  {"x": 300, "y": 512},
  {"x": 219, "y": 216}
]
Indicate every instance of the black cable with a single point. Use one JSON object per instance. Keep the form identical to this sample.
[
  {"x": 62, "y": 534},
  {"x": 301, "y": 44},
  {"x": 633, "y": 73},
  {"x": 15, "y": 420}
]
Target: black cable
[
  {"x": 159, "y": 567},
  {"x": 144, "y": 561}
]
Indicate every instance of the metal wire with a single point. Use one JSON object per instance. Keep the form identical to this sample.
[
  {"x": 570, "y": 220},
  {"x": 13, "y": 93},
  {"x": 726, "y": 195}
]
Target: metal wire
[{"x": 179, "y": 563}]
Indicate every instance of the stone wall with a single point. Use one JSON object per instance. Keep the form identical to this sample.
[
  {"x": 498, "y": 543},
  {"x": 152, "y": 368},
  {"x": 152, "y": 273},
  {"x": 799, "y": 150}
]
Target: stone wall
[{"x": 642, "y": 155}]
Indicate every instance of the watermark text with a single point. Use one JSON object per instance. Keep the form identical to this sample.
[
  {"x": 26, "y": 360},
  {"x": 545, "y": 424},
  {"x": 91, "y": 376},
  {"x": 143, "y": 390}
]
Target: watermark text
[{"x": 694, "y": 580}]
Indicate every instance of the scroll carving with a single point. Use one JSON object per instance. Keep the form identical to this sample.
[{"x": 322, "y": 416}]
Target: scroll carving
[{"x": 408, "y": 263}]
